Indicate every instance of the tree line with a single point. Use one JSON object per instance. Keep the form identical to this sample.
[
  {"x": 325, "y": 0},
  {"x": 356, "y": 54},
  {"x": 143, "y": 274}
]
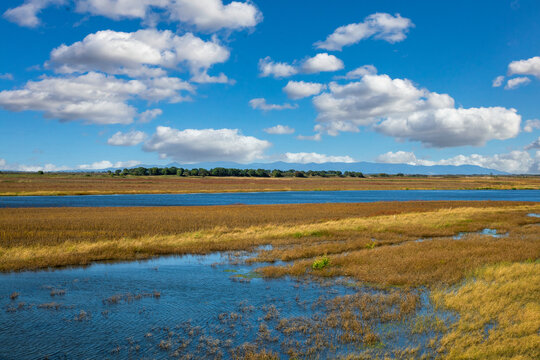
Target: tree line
[{"x": 222, "y": 172}]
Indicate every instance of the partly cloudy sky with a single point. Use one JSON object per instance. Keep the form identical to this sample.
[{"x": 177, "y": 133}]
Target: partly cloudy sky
[{"x": 92, "y": 84}]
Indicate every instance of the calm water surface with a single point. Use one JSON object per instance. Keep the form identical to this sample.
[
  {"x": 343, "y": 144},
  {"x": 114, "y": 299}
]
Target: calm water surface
[{"x": 261, "y": 198}]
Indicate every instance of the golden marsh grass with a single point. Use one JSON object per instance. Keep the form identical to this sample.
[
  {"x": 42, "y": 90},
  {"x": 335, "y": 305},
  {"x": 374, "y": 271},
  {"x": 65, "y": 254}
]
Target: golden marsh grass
[
  {"x": 49, "y": 226},
  {"x": 357, "y": 237},
  {"x": 81, "y": 184},
  {"x": 499, "y": 309}
]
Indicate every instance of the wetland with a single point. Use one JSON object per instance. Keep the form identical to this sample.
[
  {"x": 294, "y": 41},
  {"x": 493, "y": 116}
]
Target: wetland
[{"x": 403, "y": 280}]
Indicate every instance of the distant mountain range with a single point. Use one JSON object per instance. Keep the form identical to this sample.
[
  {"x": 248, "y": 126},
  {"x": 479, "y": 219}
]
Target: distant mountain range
[{"x": 364, "y": 167}]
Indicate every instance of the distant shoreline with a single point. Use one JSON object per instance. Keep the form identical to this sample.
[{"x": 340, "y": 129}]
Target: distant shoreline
[{"x": 59, "y": 184}]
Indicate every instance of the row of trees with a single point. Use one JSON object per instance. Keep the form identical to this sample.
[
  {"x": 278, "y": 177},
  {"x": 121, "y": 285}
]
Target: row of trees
[{"x": 220, "y": 171}]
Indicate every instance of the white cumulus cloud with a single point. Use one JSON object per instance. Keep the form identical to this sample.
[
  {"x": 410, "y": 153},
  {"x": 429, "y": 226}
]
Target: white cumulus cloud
[
  {"x": 516, "y": 162},
  {"x": 171, "y": 89},
  {"x": 449, "y": 127},
  {"x": 532, "y": 124},
  {"x": 321, "y": 62},
  {"x": 396, "y": 107},
  {"x": 516, "y": 82},
  {"x": 4, "y": 165},
  {"x": 260, "y": 103},
  {"x": 138, "y": 54},
  {"x": 301, "y": 89},
  {"x": 149, "y": 115},
  {"x": 359, "y": 72},
  {"x": 534, "y": 145},
  {"x": 315, "y": 137},
  {"x": 525, "y": 67},
  {"x": 398, "y": 157},
  {"x": 34, "y": 168},
  {"x": 279, "y": 130},
  {"x": 379, "y": 26},
  {"x": 120, "y": 9},
  {"x": 98, "y": 165},
  {"x": 193, "y": 145},
  {"x": 104, "y": 164},
  {"x": 204, "y": 15},
  {"x": 498, "y": 81},
  {"x": 306, "y": 158},
  {"x": 204, "y": 78},
  {"x": 94, "y": 98},
  {"x": 127, "y": 139},
  {"x": 6, "y": 76},
  {"x": 26, "y": 14},
  {"x": 213, "y": 15},
  {"x": 268, "y": 67}
]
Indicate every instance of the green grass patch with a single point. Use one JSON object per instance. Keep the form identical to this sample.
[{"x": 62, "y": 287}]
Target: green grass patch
[{"x": 321, "y": 263}]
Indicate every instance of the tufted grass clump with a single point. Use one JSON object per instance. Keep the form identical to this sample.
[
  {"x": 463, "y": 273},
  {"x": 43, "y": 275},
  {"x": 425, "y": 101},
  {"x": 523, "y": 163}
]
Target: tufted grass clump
[{"x": 320, "y": 263}]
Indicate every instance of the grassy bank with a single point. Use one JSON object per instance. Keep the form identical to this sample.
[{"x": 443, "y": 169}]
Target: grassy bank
[{"x": 81, "y": 184}]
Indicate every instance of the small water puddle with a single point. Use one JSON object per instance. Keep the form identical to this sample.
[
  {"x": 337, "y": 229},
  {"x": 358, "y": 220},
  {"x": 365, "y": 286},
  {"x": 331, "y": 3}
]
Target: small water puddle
[{"x": 489, "y": 232}]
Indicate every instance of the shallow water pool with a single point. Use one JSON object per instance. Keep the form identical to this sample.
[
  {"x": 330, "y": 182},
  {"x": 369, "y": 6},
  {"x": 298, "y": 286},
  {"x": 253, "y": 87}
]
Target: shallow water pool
[{"x": 201, "y": 306}]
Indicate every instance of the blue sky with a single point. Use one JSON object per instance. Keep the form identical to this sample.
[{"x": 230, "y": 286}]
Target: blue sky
[{"x": 89, "y": 84}]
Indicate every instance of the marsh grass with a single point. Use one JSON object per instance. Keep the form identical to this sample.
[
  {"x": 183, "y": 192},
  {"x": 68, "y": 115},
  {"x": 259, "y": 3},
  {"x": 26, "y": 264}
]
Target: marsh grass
[
  {"x": 80, "y": 184},
  {"x": 252, "y": 352},
  {"x": 349, "y": 321},
  {"x": 49, "y": 226},
  {"x": 320, "y": 263},
  {"x": 57, "y": 292},
  {"x": 341, "y": 234},
  {"x": 499, "y": 313},
  {"x": 129, "y": 297},
  {"x": 441, "y": 260},
  {"x": 428, "y": 324}
]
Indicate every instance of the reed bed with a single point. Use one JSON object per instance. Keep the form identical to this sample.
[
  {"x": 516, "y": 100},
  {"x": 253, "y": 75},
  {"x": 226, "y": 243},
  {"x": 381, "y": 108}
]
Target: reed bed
[
  {"x": 81, "y": 184},
  {"x": 499, "y": 308},
  {"x": 50, "y": 226},
  {"x": 357, "y": 236},
  {"x": 426, "y": 252}
]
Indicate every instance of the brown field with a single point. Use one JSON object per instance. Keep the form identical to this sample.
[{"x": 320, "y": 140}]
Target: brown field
[
  {"x": 80, "y": 184},
  {"x": 485, "y": 280}
]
